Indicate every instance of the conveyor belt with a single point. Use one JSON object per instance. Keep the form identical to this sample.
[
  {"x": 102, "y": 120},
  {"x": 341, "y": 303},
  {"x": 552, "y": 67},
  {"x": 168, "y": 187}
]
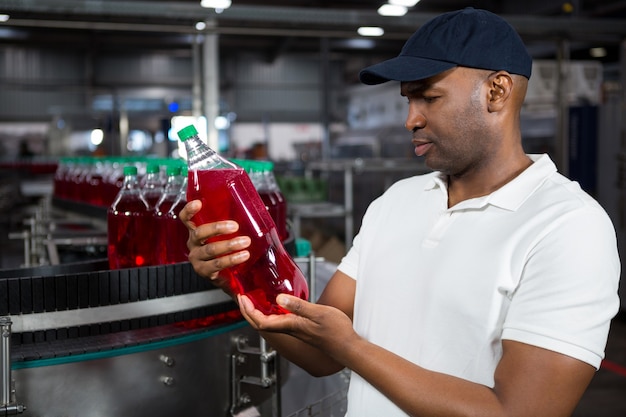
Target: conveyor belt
[
  {"x": 67, "y": 309},
  {"x": 121, "y": 342}
]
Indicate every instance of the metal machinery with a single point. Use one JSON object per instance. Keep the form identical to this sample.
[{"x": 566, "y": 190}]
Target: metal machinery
[
  {"x": 155, "y": 341},
  {"x": 80, "y": 339}
]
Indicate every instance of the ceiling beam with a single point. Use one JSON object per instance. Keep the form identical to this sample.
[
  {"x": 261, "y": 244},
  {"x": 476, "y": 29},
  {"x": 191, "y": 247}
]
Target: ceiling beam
[{"x": 97, "y": 14}]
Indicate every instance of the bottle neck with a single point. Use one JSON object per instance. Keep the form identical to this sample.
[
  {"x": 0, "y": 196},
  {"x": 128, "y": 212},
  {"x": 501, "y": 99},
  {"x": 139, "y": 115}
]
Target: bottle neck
[
  {"x": 200, "y": 156},
  {"x": 174, "y": 183},
  {"x": 183, "y": 187},
  {"x": 153, "y": 180},
  {"x": 130, "y": 182},
  {"x": 271, "y": 180}
]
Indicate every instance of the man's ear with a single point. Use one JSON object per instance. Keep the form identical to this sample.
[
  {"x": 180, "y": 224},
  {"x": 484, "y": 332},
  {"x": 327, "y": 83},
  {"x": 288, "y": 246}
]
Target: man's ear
[{"x": 500, "y": 88}]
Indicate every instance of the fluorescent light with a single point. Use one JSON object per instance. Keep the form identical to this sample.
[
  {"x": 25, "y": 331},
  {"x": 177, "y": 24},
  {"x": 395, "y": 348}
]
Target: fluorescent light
[
  {"x": 405, "y": 3},
  {"x": 391, "y": 10},
  {"x": 370, "y": 31},
  {"x": 96, "y": 137},
  {"x": 200, "y": 25},
  {"x": 221, "y": 123},
  {"x": 4, "y": 17},
  {"x": 599, "y": 52},
  {"x": 356, "y": 43},
  {"x": 216, "y": 4}
]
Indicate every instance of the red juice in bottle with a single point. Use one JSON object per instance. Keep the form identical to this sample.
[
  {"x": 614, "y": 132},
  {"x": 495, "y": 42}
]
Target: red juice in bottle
[
  {"x": 271, "y": 204},
  {"x": 60, "y": 182},
  {"x": 94, "y": 184},
  {"x": 228, "y": 194},
  {"x": 173, "y": 245},
  {"x": 281, "y": 213},
  {"x": 172, "y": 234},
  {"x": 263, "y": 180},
  {"x": 114, "y": 182},
  {"x": 152, "y": 188},
  {"x": 129, "y": 231},
  {"x": 279, "y": 200}
]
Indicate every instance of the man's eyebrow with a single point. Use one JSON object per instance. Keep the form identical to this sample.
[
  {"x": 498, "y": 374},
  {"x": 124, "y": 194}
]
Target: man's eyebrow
[{"x": 414, "y": 88}]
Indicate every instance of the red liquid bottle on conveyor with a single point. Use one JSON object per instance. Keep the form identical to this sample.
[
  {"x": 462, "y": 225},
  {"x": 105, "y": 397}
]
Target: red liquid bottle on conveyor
[
  {"x": 227, "y": 193},
  {"x": 152, "y": 188},
  {"x": 171, "y": 232},
  {"x": 129, "y": 226},
  {"x": 281, "y": 202},
  {"x": 256, "y": 172}
]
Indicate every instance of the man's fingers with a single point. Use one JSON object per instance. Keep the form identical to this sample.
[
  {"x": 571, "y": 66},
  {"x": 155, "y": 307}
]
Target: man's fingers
[
  {"x": 232, "y": 259},
  {"x": 189, "y": 210},
  {"x": 208, "y": 263},
  {"x": 289, "y": 302},
  {"x": 294, "y": 304},
  {"x": 220, "y": 248},
  {"x": 203, "y": 232},
  {"x": 249, "y": 312},
  {"x": 273, "y": 322}
]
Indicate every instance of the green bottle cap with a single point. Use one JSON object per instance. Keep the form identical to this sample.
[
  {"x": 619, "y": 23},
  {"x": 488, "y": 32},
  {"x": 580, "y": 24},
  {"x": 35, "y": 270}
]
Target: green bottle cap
[
  {"x": 130, "y": 170},
  {"x": 153, "y": 168},
  {"x": 266, "y": 166},
  {"x": 173, "y": 170},
  {"x": 187, "y": 132},
  {"x": 303, "y": 247}
]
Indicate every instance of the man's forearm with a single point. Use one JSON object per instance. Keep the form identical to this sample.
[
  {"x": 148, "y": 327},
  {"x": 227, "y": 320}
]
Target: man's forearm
[{"x": 307, "y": 357}]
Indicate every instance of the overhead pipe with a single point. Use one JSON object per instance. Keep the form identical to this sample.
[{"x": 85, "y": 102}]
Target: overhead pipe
[{"x": 570, "y": 26}]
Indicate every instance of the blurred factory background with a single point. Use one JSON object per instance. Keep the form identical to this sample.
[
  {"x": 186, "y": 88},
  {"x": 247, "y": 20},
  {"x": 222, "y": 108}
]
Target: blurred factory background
[{"x": 278, "y": 80}]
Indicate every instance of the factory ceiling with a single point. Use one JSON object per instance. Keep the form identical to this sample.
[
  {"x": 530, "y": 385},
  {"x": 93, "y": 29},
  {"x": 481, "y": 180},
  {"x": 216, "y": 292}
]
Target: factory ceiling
[{"x": 275, "y": 27}]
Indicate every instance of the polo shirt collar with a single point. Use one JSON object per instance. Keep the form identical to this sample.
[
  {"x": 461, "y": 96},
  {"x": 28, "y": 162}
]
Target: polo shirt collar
[{"x": 511, "y": 195}]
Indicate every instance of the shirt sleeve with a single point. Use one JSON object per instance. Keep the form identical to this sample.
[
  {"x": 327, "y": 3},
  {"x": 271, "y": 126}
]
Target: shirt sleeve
[
  {"x": 567, "y": 294},
  {"x": 349, "y": 265}
]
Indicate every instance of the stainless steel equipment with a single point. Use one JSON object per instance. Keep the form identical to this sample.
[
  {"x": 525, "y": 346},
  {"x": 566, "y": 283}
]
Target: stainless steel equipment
[{"x": 157, "y": 341}]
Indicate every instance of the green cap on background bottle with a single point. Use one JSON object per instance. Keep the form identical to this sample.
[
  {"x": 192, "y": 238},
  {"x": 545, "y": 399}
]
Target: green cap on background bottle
[
  {"x": 153, "y": 168},
  {"x": 172, "y": 170},
  {"x": 130, "y": 170},
  {"x": 187, "y": 132}
]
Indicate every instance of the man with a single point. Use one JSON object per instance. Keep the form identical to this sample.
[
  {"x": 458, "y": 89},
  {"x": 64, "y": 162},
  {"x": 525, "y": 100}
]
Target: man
[{"x": 484, "y": 288}]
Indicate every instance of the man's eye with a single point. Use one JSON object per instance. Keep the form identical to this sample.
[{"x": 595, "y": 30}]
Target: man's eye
[{"x": 426, "y": 99}]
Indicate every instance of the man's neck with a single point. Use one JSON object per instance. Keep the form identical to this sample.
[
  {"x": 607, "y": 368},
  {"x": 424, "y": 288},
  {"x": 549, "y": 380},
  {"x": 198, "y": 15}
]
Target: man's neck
[{"x": 486, "y": 182}]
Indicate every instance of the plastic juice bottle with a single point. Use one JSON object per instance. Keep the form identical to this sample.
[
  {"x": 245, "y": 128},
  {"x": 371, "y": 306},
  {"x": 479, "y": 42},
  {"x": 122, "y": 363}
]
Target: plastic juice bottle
[
  {"x": 60, "y": 177},
  {"x": 256, "y": 171},
  {"x": 279, "y": 198},
  {"x": 75, "y": 180},
  {"x": 152, "y": 191},
  {"x": 94, "y": 187},
  {"x": 264, "y": 190},
  {"x": 128, "y": 226},
  {"x": 260, "y": 173},
  {"x": 114, "y": 179},
  {"x": 227, "y": 193},
  {"x": 171, "y": 232},
  {"x": 152, "y": 188}
]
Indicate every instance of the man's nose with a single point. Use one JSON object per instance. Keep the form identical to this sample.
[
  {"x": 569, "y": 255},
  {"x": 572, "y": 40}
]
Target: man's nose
[{"x": 414, "y": 120}]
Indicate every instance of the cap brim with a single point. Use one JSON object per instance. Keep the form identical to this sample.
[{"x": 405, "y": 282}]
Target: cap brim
[{"x": 403, "y": 68}]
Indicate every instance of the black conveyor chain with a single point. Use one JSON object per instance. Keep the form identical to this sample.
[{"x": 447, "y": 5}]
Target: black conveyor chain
[{"x": 85, "y": 285}]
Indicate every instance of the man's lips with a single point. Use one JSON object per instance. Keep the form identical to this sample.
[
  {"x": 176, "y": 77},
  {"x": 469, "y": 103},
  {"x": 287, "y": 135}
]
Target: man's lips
[{"x": 421, "y": 146}]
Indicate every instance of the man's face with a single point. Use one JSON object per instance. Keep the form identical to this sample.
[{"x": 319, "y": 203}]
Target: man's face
[{"x": 447, "y": 116}]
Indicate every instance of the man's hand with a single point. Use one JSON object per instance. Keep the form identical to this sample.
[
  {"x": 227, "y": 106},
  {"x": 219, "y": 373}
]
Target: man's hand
[
  {"x": 209, "y": 258},
  {"x": 324, "y": 327}
]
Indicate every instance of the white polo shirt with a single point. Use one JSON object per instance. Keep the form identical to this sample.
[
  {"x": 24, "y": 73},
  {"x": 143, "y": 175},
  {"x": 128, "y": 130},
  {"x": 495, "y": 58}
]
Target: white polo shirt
[{"x": 535, "y": 261}]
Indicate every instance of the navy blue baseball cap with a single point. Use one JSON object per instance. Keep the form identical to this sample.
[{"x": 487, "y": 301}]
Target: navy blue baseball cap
[{"x": 470, "y": 37}]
